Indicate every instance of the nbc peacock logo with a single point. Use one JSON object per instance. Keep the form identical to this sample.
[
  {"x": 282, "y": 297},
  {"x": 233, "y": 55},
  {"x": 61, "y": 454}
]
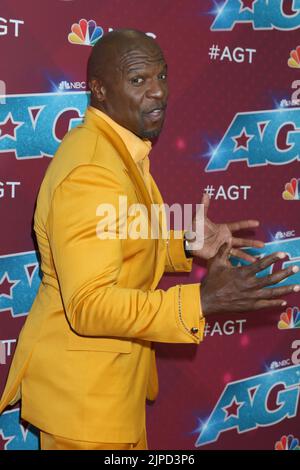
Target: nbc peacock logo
[
  {"x": 289, "y": 319},
  {"x": 85, "y": 33},
  {"x": 294, "y": 59},
  {"x": 287, "y": 443},
  {"x": 291, "y": 190}
]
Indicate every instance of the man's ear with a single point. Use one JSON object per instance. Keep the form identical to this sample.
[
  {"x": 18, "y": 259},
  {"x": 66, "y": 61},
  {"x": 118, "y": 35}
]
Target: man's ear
[{"x": 98, "y": 90}]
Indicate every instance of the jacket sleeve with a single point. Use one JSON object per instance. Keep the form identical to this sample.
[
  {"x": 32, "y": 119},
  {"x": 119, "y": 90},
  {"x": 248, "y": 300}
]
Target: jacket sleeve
[
  {"x": 176, "y": 261},
  {"x": 88, "y": 266}
]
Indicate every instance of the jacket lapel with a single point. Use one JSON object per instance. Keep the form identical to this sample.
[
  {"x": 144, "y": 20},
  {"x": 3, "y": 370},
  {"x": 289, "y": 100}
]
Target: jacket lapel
[
  {"x": 139, "y": 185},
  {"x": 128, "y": 161}
]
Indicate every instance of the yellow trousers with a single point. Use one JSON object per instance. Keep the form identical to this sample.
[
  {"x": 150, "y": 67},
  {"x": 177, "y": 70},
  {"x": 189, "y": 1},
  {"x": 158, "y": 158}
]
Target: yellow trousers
[{"x": 51, "y": 442}]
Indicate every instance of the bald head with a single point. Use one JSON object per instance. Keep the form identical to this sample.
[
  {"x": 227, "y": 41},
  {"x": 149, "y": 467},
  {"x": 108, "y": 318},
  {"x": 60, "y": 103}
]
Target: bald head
[
  {"x": 127, "y": 78},
  {"x": 109, "y": 50}
]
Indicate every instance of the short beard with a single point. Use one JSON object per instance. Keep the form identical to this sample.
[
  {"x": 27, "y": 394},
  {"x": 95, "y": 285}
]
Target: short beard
[
  {"x": 144, "y": 134},
  {"x": 149, "y": 134}
]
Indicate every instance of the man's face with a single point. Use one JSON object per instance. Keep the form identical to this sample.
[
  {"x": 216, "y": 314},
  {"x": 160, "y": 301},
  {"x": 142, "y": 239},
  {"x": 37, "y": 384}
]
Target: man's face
[{"x": 136, "y": 92}]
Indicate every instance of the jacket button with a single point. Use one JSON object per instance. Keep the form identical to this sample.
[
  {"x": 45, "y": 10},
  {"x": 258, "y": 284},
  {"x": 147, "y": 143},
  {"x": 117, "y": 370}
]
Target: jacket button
[{"x": 194, "y": 330}]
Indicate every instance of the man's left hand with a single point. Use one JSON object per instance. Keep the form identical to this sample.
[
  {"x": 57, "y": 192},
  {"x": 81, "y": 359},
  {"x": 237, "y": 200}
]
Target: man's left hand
[{"x": 216, "y": 235}]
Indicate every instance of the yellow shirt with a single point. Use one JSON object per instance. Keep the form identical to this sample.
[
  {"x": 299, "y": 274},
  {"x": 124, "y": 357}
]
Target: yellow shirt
[{"x": 139, "y": 149}]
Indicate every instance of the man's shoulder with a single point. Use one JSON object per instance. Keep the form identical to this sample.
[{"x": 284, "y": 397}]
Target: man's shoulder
[
  {"x": 79, "y": 148},
  {"x": 83, "y": 146}
]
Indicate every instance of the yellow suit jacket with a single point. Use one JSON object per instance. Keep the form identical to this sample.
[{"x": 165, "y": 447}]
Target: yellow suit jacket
[{"x": 84, "y": 361}]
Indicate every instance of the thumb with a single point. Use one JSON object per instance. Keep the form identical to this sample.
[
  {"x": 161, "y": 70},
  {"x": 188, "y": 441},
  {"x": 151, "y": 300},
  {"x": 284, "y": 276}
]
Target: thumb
[
  {"x": 224, "y": 251},
  {"x": 222, "y": 255}
]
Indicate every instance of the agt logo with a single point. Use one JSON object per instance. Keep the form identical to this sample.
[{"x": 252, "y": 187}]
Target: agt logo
[
  {"x": 291, "y": 191},
  {"x": 259, "y": 138},
  {"x": 87, "y": 33},
  {"x": 7, "y": 189},
  {"x": 289, "y": 319},
  {"x": 228, "y": 328},
  {"x": 19, "y": 282},
  {"x": 261, "y": 14},
  {"x": 16, "y": 435},
  {"x": 28, "y": 123},
  {"x": 245, "y": 405},
  {"x": 287, "y": 443},
  {"x": 10, "y": 27}
]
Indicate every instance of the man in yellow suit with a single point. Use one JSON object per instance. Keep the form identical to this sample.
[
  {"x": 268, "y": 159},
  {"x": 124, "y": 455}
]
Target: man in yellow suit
[{"x": 84, "y": 363}]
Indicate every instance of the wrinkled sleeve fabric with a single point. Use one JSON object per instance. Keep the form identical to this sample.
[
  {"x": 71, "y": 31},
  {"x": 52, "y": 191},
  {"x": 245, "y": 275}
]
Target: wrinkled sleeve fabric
[
  {"x": 88, "y": 267},
  {"x": 176, "y": 261}
]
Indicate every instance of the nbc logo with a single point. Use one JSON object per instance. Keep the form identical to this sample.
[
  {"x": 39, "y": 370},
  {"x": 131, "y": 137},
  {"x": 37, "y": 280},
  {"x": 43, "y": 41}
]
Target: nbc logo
[
  {"x": 85, "y": 33},
  {"x": 291, "y": 190},
  {"x": 287, "y": 443},
  {"x": 64, "y": 85},
  {"x": 289, "y": 319},
  {"x": 294, "y": 60}
]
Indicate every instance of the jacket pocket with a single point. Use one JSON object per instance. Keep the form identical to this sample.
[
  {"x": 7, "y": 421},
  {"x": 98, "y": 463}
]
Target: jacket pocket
[{"x": 86, "y": 343}]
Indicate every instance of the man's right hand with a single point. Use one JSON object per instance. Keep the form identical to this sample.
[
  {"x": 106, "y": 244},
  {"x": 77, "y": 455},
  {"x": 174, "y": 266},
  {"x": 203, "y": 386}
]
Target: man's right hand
[{"x": 237, "y": 289}]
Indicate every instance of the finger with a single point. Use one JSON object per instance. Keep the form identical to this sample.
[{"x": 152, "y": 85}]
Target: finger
[
  {"x": 242, "y": 224},
  {"x": 247, "y": 242},
  {"x": 205, "y": 201},
  {"x": 278, "y": 277},
  {"x": 242, "y": 255},
  {"x": 224, "y": 251},
  {"x": 263, "y": 263},
  {"x": 271, "y": 293},
  {"x": 259, "y": 304}
]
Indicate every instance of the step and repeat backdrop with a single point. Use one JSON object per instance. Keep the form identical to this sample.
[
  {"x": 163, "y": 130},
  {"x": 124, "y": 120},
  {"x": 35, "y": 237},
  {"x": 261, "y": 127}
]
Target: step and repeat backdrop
[{"x": 232, "y": 130}]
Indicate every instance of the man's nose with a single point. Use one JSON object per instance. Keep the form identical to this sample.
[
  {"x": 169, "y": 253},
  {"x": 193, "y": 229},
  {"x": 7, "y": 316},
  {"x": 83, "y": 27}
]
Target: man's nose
[{"x": 155, "y": 89}]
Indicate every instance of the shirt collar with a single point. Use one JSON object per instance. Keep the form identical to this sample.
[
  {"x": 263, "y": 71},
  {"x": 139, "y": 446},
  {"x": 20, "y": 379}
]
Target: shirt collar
[{"x": 138, "y": 148}]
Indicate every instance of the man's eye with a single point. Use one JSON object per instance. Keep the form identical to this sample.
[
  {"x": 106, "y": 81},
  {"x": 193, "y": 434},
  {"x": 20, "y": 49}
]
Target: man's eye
[
  {"x": 137, "y": 80},
  {"x": 163, "y": 76}
]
